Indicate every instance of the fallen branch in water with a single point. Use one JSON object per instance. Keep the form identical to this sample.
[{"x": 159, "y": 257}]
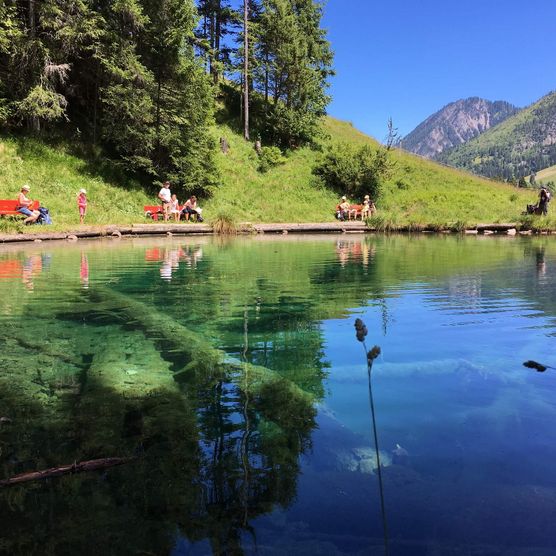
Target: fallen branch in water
[{"x": 90, "y": 465}]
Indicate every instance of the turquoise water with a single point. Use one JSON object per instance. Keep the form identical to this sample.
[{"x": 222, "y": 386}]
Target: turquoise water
[{"x": 228, "y": 371}]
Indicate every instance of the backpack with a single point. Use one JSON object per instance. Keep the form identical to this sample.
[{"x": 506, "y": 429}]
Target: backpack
[{"x": 44, "y": 218}]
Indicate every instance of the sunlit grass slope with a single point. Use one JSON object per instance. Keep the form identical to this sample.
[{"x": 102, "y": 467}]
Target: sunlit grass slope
[
  {"x": 419, "y": 192},
  {"x": 55, "y": 177},
  {"x": 546, "y": 175}
]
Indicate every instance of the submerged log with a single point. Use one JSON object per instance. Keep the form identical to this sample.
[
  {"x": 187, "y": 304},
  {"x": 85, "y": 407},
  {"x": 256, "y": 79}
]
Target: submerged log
[
  {"x": 90, "y": 465},
  {"x": 199, "y": 354}
]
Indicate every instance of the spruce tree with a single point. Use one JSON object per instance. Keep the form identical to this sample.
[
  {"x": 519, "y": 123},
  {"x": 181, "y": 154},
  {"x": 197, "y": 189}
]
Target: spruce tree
[{"x": 297, "y": 61}]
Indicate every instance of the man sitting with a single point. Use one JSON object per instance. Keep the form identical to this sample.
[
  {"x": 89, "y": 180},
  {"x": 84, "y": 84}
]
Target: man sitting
[
  {"x": 343, "y": 209},
  {"x": 23, "y": 204}
]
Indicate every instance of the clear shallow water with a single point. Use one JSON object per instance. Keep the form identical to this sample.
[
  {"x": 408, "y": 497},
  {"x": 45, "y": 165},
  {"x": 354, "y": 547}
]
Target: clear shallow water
[{"x": 99, "y": 358}]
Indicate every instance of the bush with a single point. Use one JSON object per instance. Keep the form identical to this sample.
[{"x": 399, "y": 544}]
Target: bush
[
  {"x": 270, "y": 157},
  {"x": 354, "y": 171}
]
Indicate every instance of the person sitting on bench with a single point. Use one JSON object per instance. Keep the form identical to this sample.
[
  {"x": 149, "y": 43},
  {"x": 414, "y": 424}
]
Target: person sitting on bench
[
  {"x": 23, "y": 204},
  {"x": 191, "y": 209}
]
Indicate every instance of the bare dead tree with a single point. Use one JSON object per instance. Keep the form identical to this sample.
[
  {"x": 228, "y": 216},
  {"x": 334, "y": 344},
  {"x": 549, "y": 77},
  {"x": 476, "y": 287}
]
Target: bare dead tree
[{"x": 393, "y": 137}]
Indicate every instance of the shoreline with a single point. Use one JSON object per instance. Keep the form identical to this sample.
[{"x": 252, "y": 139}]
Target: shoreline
[{"x": 171, "y": 229}]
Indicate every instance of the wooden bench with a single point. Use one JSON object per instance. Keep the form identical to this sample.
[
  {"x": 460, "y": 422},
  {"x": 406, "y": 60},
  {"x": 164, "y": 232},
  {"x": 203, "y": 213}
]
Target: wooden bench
[
  {"x": 356, "y": 211},
  {"x": 8, "y": 207}
]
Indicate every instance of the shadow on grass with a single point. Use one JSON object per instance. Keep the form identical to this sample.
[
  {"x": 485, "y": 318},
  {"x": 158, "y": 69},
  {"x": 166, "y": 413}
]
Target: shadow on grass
[{"x": 94, "y": 161}]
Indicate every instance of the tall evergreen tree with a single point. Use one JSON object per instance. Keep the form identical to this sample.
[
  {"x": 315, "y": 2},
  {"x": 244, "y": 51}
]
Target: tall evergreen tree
[
  {"x": 217, "y": 21},
  {"x": 295, "y": 64}
]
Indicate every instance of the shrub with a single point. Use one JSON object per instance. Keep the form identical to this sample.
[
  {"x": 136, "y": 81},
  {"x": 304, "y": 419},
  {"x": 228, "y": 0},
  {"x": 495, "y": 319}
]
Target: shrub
[
  {"x": 355, "y": 171},
  {"x": 270, "y": 157},
  {"x": 458, "y": 226}
]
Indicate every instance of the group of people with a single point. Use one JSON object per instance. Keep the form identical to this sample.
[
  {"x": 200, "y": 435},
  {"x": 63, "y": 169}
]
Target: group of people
[
  {"x": 171, "y": 206},
  {"x": 347, "y": 211}
]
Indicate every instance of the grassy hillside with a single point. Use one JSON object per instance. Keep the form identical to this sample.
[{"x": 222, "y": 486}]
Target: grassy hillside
[
  {"x": 512, "y": 149},
  {"x": 419, "y": 193},
  {"x": 56, "y": 176},
  {"x": 546, "y": 176}
]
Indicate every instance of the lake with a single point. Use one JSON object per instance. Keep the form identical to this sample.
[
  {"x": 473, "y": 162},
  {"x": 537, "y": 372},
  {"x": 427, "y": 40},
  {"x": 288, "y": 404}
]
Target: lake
[{"x": 227, "y": 373}]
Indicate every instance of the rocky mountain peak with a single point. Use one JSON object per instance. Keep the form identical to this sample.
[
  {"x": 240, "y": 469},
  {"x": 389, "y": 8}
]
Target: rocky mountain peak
[{"x": 455, "y": 124}]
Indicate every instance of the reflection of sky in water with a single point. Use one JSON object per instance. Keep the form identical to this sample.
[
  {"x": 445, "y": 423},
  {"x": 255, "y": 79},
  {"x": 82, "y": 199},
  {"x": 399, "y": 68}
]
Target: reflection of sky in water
[{"x": 450, "y": 389}]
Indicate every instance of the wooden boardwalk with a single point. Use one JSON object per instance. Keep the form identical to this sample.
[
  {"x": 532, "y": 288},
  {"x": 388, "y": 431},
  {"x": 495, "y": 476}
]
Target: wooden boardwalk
[{"x": 179, "y": 229}]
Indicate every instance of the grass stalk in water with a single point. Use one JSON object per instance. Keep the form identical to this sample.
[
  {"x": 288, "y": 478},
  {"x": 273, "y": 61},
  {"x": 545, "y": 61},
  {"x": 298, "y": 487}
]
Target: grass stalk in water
[{"x": 360, "y": 334}]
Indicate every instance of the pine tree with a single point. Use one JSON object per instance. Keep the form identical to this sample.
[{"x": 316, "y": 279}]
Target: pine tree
[
  {"x": 297, "y": 59},
  {"x": 217, "y": 21}
]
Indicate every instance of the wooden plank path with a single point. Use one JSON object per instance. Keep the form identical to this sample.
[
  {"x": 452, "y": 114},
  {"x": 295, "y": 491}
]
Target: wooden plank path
[{"x": 170, "y": 229}]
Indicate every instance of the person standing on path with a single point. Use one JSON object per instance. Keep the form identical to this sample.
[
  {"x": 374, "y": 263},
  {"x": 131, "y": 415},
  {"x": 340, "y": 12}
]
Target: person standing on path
[
  {"x": 82, "y": 205},
  {"x": 165, "y": 196}
]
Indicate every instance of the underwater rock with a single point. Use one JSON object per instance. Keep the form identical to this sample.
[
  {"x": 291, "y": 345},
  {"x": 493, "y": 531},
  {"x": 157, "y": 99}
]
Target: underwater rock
[
  {"x": 362, "y": 459},
  {"x": 399, "y": 451}
]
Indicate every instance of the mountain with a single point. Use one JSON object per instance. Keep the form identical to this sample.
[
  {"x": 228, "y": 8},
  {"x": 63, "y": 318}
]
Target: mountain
[
  {"x": 521, "y": 144},
  {"x": 456, "y": 123}
]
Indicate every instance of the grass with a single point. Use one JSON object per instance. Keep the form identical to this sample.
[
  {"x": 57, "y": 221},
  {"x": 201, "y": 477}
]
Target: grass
[
  {"x": 547, "y": 175},
  {"x": 56, "y": 176},
  {"x": 420, "y": 193}
]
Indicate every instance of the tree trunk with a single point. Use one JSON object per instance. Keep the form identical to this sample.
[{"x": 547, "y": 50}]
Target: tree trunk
[
  {"x": 159, "y": 85},
  {"x": 32, "y": 23},
  {"x": 217, "y": 32},
  {"x": 246, "y": 70},
  {"x": 91, "y": 465},
  {"x": 266, "y": 79}
]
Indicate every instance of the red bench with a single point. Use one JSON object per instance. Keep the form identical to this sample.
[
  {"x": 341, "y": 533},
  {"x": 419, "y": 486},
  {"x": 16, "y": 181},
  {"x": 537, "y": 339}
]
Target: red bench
[
  {"x": 8, "y": 207},
  {"x": 152, "y": 211},
  {"x": 354, "y": 211},
  {"x": 156, "y": 211}
]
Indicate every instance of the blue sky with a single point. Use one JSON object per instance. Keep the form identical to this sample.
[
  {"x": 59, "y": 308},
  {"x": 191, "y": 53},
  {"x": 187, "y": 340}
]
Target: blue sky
[{"x": 408, "y": 58}]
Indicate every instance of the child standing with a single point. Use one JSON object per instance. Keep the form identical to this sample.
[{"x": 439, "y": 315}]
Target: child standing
[
  {"x": 82, "y": 205},
  {"x": 175, "y": 207}
]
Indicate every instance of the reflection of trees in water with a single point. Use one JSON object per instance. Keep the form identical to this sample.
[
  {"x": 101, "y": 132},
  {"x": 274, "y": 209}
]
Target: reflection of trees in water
[{"x": 250, "y": 450}]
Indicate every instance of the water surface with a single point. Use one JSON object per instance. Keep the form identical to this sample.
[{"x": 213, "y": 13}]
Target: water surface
[{"x": 106, "y": 351}]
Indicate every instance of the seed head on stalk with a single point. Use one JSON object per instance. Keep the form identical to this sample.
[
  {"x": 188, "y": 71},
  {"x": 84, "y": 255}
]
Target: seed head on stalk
[{"x": 360, "y": 333}]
